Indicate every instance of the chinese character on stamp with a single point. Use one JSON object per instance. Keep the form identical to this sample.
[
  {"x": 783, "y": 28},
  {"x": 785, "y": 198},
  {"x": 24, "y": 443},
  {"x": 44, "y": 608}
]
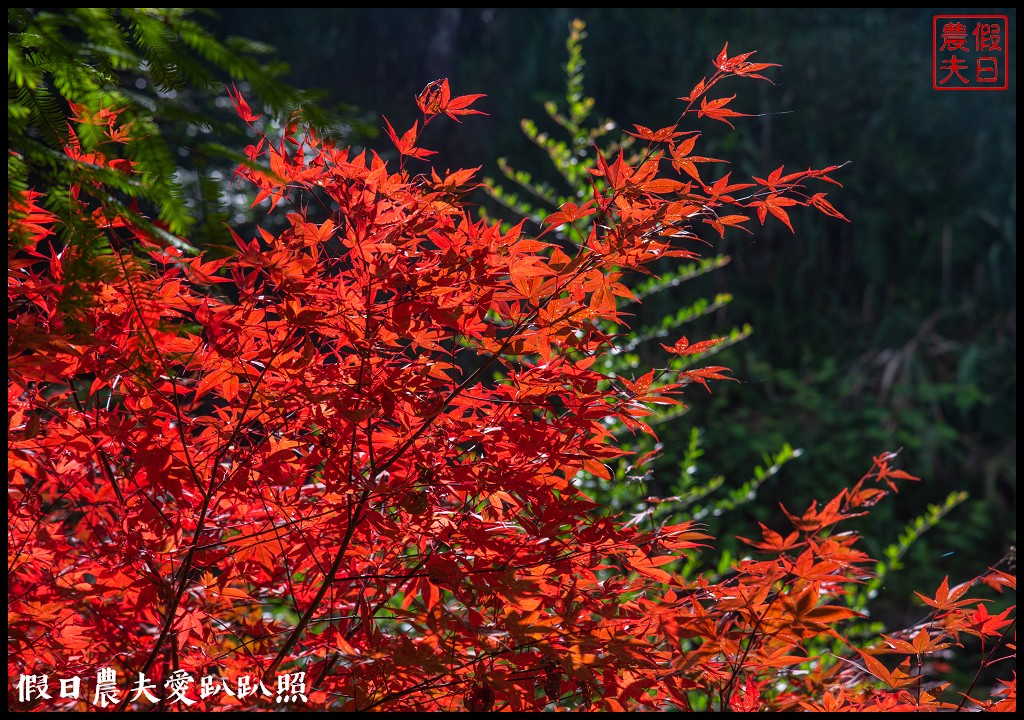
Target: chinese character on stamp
[{"x": 970, "y": 52}]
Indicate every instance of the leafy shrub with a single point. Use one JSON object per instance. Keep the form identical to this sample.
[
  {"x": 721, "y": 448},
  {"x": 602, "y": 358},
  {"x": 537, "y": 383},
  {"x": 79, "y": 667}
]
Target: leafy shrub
[{"x": 345, "y": 460}]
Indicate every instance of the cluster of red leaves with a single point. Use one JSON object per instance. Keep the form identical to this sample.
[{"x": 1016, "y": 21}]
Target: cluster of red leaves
[{"x": 351, "y": 449}]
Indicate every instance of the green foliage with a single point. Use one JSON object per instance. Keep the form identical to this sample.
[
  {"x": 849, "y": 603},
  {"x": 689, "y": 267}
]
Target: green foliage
[
  {"x": 165, "y": 71},
  {"x": 893, "y": 555},
  {"x": 572, "y": 156}
]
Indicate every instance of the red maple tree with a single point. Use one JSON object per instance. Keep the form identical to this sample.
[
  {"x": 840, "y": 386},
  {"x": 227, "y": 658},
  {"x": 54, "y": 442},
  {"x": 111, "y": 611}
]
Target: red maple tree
[{"x": 343, "y": 463}]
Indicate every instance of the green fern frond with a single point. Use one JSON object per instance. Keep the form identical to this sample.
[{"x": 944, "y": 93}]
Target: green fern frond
[
  {"x": 156, "y": 66},
  {"x": 45, "y": 114},
  {"x": 672, "y": 279},
  {"x": 747, "y": 492},
  {"x": 893, "y": 554}
]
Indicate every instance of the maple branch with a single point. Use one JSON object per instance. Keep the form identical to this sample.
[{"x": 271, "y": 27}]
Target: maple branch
[
  {"x": 186, "y": 566},
  {"x": 495, "y": 355},
  {"x": 724, "y": 696},
  {"x": 105, "y": 467},
  {"x": 296, "y": 633},
  {"x": 966, "y": 695},
  {"x": 167, "y": 373},
  {"x": 429, "y": 682},
  {"x": 353, "y": 520},
  {"x": 350, "y": 633}
]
